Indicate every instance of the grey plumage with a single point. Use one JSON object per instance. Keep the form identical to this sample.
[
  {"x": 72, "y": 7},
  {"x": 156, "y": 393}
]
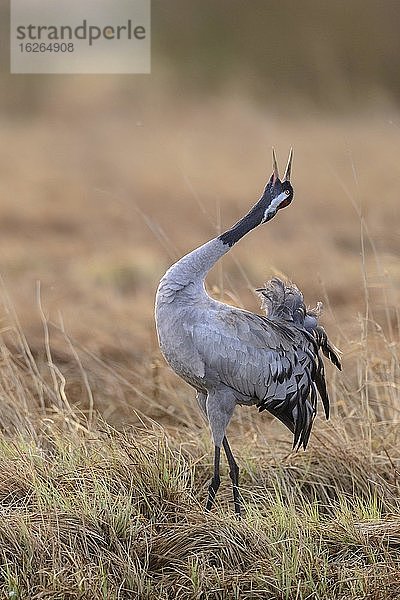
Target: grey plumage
[{"x": 232, "y": 356}]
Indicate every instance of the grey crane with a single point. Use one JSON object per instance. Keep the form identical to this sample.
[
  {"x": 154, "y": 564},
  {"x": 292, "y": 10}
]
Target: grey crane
[{"x": 231, "y": 356}]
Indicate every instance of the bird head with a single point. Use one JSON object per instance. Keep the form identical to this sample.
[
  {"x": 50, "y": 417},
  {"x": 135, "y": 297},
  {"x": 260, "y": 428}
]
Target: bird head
[{"x": 277, "y": 193}]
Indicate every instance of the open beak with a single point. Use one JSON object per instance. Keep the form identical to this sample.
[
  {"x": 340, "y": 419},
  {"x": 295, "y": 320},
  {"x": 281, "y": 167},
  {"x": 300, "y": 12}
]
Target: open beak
[
  {"x": 288, "y": 166},
  {"x": 275, "y": 172}
]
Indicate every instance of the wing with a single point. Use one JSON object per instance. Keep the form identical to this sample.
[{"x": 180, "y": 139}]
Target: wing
[{"x": 275, "y": 365}]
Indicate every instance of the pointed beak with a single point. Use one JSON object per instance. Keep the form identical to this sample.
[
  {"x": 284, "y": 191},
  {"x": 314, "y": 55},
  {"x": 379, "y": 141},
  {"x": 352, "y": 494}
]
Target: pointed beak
[
  {"x": 275, "y": 173},
  {"x": 288, "y": 166}
]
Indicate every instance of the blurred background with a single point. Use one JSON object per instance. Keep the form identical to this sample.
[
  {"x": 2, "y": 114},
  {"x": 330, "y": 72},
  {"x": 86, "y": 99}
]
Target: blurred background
[{"x": 106, "y": 180}]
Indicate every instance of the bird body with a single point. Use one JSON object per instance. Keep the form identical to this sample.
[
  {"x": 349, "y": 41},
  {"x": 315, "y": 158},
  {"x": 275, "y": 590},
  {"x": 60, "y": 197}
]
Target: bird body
[
  {"x": 183, "y": 307},
  {"x": 232, "y": 356}
]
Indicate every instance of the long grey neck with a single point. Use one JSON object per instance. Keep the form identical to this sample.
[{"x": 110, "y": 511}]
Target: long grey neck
[{"x": 194, "y": 267}]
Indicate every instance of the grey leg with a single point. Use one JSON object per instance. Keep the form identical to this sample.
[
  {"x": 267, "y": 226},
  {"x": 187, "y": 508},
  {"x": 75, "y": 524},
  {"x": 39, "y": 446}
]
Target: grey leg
[
  {"x": 220, "y": 406},
  {"x": 215, "y": 481},
  {"x": 234, "y": 475}
]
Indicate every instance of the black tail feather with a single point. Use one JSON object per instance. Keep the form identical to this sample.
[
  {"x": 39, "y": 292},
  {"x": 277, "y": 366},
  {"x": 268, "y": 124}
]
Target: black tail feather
[
  {"x": 284, "y": 306},
  {"x": 327, "y": 348}
]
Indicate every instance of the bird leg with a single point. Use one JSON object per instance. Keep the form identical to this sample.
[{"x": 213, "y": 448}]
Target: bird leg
[
  {"x": 215, "y": 481},
  {"x": 220, "y": 406},
  {"x": 234, "y": 475}
]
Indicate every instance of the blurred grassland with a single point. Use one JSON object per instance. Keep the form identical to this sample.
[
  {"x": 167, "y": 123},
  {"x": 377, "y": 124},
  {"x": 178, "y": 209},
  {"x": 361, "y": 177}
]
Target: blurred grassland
[
  {"x": 97, "y": 204},
  {"x": 106, "y": 180}
]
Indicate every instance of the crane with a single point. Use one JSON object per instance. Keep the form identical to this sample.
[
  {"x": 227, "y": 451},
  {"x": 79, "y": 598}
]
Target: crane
[{"x": 232, "y": 356}]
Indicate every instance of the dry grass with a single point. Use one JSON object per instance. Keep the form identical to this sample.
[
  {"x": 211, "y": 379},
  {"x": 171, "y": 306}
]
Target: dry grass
[{"x": 89, "y": 511}]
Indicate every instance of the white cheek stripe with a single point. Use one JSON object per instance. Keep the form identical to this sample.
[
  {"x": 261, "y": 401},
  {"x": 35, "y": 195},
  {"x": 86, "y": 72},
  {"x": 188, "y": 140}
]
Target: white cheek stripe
[{"x": 274, "y": 204}]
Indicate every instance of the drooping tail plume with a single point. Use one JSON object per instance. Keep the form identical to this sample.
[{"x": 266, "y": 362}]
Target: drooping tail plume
[{"x": 283, "y": 301}]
